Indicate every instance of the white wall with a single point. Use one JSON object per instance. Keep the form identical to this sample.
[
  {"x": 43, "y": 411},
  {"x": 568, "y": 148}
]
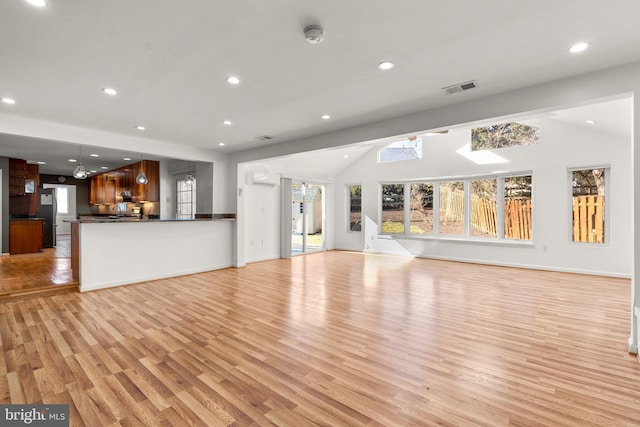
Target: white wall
[
  {"x": 120, "y": 253},
  {"x": 262, "y": 222},
  {"x": 561, "y": 146}
]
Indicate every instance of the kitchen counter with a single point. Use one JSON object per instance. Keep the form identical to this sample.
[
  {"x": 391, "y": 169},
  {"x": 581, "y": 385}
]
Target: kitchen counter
[
  {"x": 105, "y": 255},
  {"x": 108, "y": 219}
]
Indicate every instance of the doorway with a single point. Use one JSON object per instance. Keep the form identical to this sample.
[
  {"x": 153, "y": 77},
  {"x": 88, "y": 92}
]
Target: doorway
[{"x": 307, "y": 217}]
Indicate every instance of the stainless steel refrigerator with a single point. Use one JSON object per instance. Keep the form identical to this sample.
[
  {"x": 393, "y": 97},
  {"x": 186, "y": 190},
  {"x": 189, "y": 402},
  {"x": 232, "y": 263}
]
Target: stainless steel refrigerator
[{"x": 48, "y": 209}]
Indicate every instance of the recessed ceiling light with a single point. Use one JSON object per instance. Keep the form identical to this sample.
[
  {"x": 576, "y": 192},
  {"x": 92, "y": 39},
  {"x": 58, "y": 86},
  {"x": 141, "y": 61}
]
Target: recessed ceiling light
[
  {"x": 346, "y": 156},
  {"x": 110, "y": 91},
  {"x": 103, "y": 167},
  {"x": 93, "y": 171},
  {"x": 591, "y": 122},
  {"x": 126, "y": 159},
  {"x": 72, "y": 160},
  {"x": 326, "y": 117},
  {"x": 42, "y": 163},
  {"x": 227, "y": 122},
  {"x": 386, "y": 65},
  {"x": 140, "y": 127},
  {"x": 221, "y": 144},
  {"x": 233, "y": 80},
  {"x": 94, "y": 155},
  {"x": 579, "y": 47},
  {"x": 37, "y": 3},
  {"x": 8, "y": 101}
]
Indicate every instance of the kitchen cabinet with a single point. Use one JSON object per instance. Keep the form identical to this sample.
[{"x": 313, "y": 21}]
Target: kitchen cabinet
[
  {"x": 26, "y": 235},
  {"x": 96, "y": 190},
  {"x": 17, "y": 176},
  {"x": 107, "y": 188},
  {"x": 23, "y": 188},
  {"x": 110, "y": 188},
  {"x": 149, "y": 192}
]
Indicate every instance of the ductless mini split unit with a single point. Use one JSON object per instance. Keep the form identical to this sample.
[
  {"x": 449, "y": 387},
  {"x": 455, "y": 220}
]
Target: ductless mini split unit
[
  {"x": 262, "y": 178},
  {"x": 460, "y": 87}
]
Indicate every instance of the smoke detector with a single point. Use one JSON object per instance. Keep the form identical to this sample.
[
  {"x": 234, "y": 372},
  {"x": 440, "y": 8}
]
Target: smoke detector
[{"x": 314, "y": 34}]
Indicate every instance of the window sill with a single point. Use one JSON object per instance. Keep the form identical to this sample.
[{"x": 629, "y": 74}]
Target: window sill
[{"x": 453, "y": 239}]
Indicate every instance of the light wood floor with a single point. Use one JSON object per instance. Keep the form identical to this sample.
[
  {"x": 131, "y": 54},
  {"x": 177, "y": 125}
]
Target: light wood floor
[
  {"x": 333, "y": 339},
  {"x": 44, "y": 273}
]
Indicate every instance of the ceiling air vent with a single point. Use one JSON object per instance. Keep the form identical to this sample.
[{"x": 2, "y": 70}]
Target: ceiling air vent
[
  {"x": 460, "y": 87},
  {"x": 264, "y": 137}
]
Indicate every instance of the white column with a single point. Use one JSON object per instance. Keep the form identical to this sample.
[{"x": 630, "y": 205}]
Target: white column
[{"x": 635, "y": 280}]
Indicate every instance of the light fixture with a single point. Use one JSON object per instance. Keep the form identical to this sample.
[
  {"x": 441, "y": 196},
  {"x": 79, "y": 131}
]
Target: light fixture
[
  {"x": 140, "y": 127},
  {"x": 72, "y": 160},
  {"x": 110, "y": 91},
  {"x": 9, "y": 101},
  {"x": 37, "y": 3},
  {"x": 94, "y": 155},
  {"x": 79, "y": 172},
  {"x": 386, "y": 65},
  {"x": 233, "y": 80},
  {"x": 326, "y": 117},
  {"x": 227, "y": 122},
  {"x": 104, "y": 167},
  {"x": 141, "y": 178},
  {"x": 221, "y": 144},
  {"x": 42, "y": 163},
  {"x": 579, "y": 47},
  {"x": 190, "y": 179},
  {"x": 591, "y": 122},
  {"x": 126, "y": 159}
]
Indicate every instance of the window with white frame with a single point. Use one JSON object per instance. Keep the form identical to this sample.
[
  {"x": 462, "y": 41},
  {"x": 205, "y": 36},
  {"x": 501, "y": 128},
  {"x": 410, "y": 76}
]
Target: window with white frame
[
  {"x": 62, "y": 200},
  {"x": 185, "y": 199},
  {"x": 355, "y": 207},
  {"x": 496, "y": 207},
  {"x": 588, "y": 190}
]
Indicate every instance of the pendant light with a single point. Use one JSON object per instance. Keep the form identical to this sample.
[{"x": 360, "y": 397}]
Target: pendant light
[
  {"x": 190, "y": 179},
  {"x": 141, "y": 178},
  {"x": 80, "y": 172}
]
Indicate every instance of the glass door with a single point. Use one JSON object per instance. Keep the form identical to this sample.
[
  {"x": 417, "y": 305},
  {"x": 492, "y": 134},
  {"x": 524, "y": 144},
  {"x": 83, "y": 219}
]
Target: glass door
[{"x": 307, "y": 216}]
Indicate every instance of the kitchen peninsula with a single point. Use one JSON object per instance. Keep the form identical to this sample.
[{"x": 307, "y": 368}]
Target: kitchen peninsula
[{"x": 112, "y": 252}]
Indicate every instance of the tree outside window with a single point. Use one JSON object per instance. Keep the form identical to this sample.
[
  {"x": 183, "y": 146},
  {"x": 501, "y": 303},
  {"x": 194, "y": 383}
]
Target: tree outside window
[
  {"x": 588, "y": 204},
  {"x": 393, "y": 208},
  {"x": 355, "y": 207}
]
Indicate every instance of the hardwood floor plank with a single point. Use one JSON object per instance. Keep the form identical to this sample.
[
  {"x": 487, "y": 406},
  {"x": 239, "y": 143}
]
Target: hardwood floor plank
[{"x": 333, "y": 339}]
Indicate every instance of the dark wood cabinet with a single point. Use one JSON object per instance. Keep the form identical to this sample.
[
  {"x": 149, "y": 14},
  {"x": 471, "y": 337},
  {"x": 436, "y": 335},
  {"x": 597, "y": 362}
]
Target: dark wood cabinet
[
  {"x": 26, "y": 236},
  {"x": 24, "y": 180},
  {"x": 107, "y": 188},
  {"x": 17, "y": 176},
  {"x": 96, "y": 190},
  {"x": 149, "y": 192}
]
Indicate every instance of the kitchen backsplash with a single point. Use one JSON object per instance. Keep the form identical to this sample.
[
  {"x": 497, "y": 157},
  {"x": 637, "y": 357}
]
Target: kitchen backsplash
[{"x": 127, "y": 209}]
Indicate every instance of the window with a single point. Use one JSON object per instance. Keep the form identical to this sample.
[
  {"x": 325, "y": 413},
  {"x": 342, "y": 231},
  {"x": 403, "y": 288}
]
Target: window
[
  {"x": 517, "y": 208},
  {"x": 503, "y": 135},
  {"x": 185, "y": 199},
  {"x": 393, "y": 208},
  {"x": 484, "y": 207},
  {"x": 407, "y": 149},
  {"x": 588, "y": 203},
  {"x": 355, "y": 207},
  {"x": 495, "y": 207},
  {"x": 421, "y": 205},
  {"x": 62, "y": 200},
  {"x": 452, "y": 208}
]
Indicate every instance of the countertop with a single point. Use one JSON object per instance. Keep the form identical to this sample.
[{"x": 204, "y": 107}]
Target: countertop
[
  {"x": 107, "y": 219},
  {"x": 26, "y": 219}
]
